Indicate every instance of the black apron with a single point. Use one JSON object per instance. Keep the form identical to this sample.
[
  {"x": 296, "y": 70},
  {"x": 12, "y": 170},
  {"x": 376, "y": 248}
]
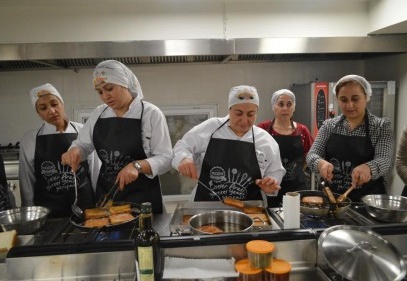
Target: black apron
[
  {"x": 55, "y": 185},
  {"x": 229, "y": 168},
  {"x": 347, "y": 152},
  {"x": 292, "y": 157},
  {"x": 118, "y": 142}
]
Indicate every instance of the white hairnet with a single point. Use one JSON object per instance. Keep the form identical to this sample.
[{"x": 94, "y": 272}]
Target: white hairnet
[
  {"x": 359, "y": 79},
  {"x": 112, "y": 71},
  {"x": 46, "y": 89},
  {"x": 279, "y": 93},
  {"x": 243, "y": 94}
]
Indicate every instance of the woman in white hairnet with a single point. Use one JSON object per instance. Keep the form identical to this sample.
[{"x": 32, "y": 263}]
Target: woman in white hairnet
[
  {"x": 130, "y": 136},
  {"x": 44, "y": 180},
  {"x": 355, "y": 148},
  {"x": 294, "y": 140},
  {"x": 230, "y": 156}
]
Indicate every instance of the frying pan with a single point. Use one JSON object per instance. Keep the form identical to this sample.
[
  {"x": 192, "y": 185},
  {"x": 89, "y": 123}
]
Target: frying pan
[
  {"x": 135, "y": 211},
  {"x": 322, "y": 211}
]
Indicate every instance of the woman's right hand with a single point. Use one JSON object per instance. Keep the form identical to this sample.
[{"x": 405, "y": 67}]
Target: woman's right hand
[
  {"x": 72, "y": 158},
  {"x": 187, "y": 168},
  {"x": 326, "y": 170}
]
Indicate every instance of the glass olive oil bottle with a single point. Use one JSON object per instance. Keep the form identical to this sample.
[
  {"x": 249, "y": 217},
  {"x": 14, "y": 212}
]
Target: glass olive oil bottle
[{"x": 148, "y": 246}]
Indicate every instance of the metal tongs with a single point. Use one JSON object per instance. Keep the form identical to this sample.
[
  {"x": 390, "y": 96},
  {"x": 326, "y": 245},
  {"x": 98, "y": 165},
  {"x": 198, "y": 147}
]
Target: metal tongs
[{"x": 105, "y": 199}]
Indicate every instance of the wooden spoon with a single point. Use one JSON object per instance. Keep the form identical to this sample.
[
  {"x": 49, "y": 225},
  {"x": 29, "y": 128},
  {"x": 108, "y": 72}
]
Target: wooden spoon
[{"x": 343, "y": 196}]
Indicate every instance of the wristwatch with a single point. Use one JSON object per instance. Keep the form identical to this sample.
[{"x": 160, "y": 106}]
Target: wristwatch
[{"x": 137, "y": 165}]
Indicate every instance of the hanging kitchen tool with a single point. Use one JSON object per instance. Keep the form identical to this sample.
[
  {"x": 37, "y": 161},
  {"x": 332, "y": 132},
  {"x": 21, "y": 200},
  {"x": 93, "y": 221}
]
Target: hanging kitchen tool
[
  {"x": 204, "y": 185},
  {"x": 345, "y": 194},
  {"x": 75, "y": 208},
  {"x": 349, "y": 249}
]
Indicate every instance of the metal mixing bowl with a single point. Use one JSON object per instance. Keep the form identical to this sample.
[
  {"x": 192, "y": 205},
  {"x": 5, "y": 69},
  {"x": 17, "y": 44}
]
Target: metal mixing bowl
[
  {"x": 387, "y": 208},
  {"x": 24, "y": 220}
]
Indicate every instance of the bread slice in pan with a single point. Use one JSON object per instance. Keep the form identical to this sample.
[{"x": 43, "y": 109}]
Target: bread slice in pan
[
  {"x": 120, "y": 209},
  {"x": 98, "y": 222},
  {"x": 210, "y": 229},
  {"x": 233, "y": 202},
  {"x": 312, "y": 200},
  {"x": 120, "y": 218},
  {"x": 95, "y": 213}
]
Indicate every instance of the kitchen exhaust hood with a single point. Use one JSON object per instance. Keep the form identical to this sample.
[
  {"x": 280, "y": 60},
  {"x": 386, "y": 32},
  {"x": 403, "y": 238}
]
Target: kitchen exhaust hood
[{"x": 77, "y": 55}]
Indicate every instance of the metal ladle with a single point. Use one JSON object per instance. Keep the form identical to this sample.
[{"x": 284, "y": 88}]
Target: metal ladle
[{"x": 75, "y": 208}]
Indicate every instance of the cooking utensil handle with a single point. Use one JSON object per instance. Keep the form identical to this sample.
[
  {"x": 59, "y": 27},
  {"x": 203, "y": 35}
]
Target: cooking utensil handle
[{"x": 345, "y": 194}]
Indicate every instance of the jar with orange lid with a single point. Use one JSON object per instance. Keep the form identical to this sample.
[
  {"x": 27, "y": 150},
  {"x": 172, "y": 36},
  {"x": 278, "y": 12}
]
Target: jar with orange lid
[
  {"x": 260, "y": 253},
  {"x": 278, "y": 271},
  {"x": 246, "y": 272}
]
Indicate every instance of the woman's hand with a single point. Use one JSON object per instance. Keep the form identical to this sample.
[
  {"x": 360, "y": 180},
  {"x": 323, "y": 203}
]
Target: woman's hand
[
  {"x": 326, "y": 170},
  {"x": 268, "y": 184},
  {"x": 187, "y": 168},
  {"x": 361, "y": 174},
  {"x": 72, "y": 158}
]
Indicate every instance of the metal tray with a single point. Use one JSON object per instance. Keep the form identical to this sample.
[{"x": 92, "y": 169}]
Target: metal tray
[{"x": 183, "y": 209}]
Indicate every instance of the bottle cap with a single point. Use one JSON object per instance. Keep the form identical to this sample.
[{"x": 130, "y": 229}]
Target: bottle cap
[{"x": 146, "y": 207}]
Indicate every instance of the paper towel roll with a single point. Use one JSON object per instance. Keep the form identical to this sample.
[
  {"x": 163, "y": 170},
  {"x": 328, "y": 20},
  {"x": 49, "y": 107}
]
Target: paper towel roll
[{"x": 291, "y": 210}]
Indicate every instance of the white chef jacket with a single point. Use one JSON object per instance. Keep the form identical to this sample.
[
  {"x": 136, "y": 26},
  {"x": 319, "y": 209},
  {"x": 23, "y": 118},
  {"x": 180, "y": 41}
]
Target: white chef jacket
[
  {"x": 155, "y": 135},
  {"x": 195, "y": 142},
  {"x": 26, "y": 170}
]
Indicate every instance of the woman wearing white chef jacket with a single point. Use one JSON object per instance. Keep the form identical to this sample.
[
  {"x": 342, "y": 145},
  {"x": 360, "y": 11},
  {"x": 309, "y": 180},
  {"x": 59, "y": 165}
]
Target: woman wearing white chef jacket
[
  {"x": 44, "y": 180},
  {"x": 130, "y": 136},
  {"x": 355, "y": 148},
  {"x": 230, "y": 156}
]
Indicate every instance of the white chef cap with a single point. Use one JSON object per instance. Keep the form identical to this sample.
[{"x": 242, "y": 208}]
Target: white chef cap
[
  {"x": 359, "y": 79},
  {"x": 243, "y": 94},
  {"x": 112, "y": 71},
  {"x": 278, "y": 93},
  {"x": 46, "y": 89}
]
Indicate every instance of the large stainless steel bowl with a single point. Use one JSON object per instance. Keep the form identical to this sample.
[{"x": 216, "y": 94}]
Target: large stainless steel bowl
[
  {"x": 24, "y": 220},
  {"x": 386, "y": 208}
]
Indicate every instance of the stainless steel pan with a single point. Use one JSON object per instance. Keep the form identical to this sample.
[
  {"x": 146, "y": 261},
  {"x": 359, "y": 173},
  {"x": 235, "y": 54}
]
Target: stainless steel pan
[{"x": 226, "y": 220}]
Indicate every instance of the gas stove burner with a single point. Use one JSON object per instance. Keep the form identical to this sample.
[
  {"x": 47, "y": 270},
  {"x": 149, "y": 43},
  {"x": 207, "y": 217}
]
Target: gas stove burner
[{"x": 355, "y": 215}]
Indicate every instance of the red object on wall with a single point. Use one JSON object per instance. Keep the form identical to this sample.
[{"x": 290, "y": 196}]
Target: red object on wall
[{"x": 320, "y": 106}]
